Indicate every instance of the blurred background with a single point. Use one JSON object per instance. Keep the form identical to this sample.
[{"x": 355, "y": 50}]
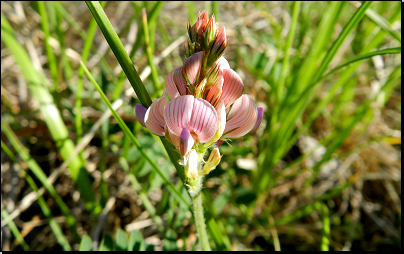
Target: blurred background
[{"x": 323, "y": 171}]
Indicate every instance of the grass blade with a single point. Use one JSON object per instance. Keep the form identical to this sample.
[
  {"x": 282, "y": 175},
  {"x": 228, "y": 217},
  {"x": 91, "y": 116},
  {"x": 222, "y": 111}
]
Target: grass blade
[
  {"x": 51, "y": 57},
  {"x": 10, "y": 222},
  {"x": 42, "y": 204},
  {"x": 352, "y": 23},
  {"x": 126, "y": 130},
  {"x": 119, "y": 51},
  {"x": 364, "y": 56},
  {"x": 40, "y": 175},
  {"x": 149, "y": 52},
  {"x": 383, "y": 23},
  {"x": 129, "y": 69},
  {"x": 38, "y": 86},
  {"x": 325, "y": 232}
]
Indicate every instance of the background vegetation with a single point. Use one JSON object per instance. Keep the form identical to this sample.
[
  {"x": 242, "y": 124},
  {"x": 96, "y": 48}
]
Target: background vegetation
[{"x": 323, "y": 171}]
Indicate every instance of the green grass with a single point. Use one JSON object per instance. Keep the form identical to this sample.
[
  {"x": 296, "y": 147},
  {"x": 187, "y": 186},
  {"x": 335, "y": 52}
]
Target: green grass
[{"x": 321, "y": 173}]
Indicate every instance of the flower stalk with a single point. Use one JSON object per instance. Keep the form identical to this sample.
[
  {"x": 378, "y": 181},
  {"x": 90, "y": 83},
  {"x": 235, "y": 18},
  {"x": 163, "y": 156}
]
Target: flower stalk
[{"x": 197, "y": 209}]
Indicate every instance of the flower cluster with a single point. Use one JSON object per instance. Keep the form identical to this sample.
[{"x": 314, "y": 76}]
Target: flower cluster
[{"x": 203, "y": 101}]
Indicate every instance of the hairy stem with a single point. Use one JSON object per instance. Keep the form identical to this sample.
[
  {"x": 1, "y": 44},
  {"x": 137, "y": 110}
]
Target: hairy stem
[{"x": 197, "y": 208}]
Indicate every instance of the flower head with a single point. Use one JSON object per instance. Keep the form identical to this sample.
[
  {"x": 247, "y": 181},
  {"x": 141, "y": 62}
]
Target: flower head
[{"x": 203, "y": 101}]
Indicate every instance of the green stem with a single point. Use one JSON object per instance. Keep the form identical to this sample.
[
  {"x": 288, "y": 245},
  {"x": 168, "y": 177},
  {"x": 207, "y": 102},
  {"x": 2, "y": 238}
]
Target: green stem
[{"x": 197, "y": 209}]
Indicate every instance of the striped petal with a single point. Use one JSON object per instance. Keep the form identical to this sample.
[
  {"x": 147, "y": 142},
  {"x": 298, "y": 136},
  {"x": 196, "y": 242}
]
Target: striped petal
[
  {"x": 177, "y": 113},
  {"x": 221, "y": 123},
  {"x": 203, "y": 120},
  {"x": 241, "y": 118},
  {"x": 196, "y": 115},
  {"x": 170, "y": 86},
  {"x": 232, "y": 87},
  {"x": 140, "y": 113},
  {"x": 192, "y": 66},
  {"x": 186, "y": 142},
  {"x": 154, "y": 118},
  {"x": 180, "y": 82},
  {"x": 215, "y": 91},
  {"x": 260, "y": 114}
]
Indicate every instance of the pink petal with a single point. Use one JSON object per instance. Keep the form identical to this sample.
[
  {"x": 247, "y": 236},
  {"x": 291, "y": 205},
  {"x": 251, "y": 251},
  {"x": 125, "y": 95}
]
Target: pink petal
[
  {"x": 221, "y": 42},
  {"x": 177, "y": 113},
  {"x": 215, "y": 91},
  {"x": 232, "y": 87},
  {"x": 180, "y": 82},
  {"x": 170, "y": 85},
  {"x": 260, "y": 114},
  {"x": 203, "y": 120},
  {"x": 197, "y": 115},
  {"x": 172, "y": 138},
  {"x": 186, "y": 142},
  {"x": 192, "y": 67},
  {"x": 242, "y": 117},
  {"x": 219, "y": 142},
  {"x": 221, "y": 117},
  {"x": 154, "y": 119},
  {"x": 223, "y": 63},
  {"x": 140, "y": 113}
]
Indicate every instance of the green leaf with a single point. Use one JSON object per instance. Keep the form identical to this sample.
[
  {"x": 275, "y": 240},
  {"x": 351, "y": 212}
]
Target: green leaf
[
  {"x": 86, "y": 243},
  {"x": 135, "y": 241},
  {"x": 107, "y": 244},
  {"x": 170, "y": 241},
  {"x": 121, "y": 240}
]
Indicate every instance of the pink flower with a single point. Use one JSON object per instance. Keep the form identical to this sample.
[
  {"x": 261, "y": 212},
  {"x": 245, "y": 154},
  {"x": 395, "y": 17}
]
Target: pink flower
[
  {"x": 241, "y": 117},
  {"x": 203, "y": 101},
  {"x": 184, "y": 121},
  {"x": 195, "y": 114}
]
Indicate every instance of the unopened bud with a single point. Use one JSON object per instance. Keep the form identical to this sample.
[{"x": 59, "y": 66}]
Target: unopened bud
[
  {"x": 191, "y": 164},
  {"x": 213, "y": 75},
  {"x": 218, "y": 47},
  {"x": 213, "y": 161},
  {"x": 199, "y": 89},
  {"x": 192, "y": 67},
  {"x": 210, "y": 33}
]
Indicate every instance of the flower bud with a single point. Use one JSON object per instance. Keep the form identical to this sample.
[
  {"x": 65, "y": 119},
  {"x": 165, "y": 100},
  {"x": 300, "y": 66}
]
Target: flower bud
[
  {"x": 191, "y": 164},
  {"x": 213, "y": 161},
  {"x": 213, "y": 75},
  {"x": 218, "y": 47},
  {"x": 192, "y": 67},
  {"x": 210, "y": 33}
]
